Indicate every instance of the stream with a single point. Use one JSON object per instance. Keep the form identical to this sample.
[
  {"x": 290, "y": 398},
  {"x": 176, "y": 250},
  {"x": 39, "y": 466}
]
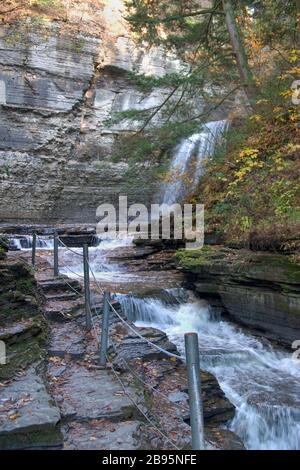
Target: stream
[{"x": 261, "y": 381}]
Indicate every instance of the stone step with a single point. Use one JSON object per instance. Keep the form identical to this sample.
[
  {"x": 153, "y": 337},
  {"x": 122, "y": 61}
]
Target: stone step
[
  {"x": 62, "y": 311},
  {"x": 44, "y": 275},
  {"x": 54, "y": 284},
  {"x": 28, "y": 417},
  {"x": 131, "y": 348},
  {"x": 61, "y": 296},
  {"x": 19, "y": 331},
  {"x": 66, "y": 340},
  {"x": 102, "y": 435},
  {"x": 86, "y": 394}
]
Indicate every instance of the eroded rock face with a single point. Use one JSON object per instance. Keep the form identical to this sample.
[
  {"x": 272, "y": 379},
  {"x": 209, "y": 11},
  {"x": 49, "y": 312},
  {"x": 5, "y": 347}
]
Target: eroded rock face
[
  {"x": 259, "y": 290},
  {"x": 58, "y": 86}
]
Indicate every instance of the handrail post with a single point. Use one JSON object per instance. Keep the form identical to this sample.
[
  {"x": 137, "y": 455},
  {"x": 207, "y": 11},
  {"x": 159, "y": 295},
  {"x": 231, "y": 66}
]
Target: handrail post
[
  {"x": 105, "y": 327},
  {"x": 33, "y": 251},
  {"x": 55, "y": 254},
  {"x": 86, "y": 271},
  {"x": 194, "y": 386}
]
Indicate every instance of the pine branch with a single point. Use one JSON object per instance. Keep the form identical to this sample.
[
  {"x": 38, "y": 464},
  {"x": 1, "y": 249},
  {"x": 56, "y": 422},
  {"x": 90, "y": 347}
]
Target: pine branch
[
  {"x": 206, "y": 113},
  {"x": 176, "y": 17},
  {"x": 177, "y": 104},
  {"x": 158, "y": 108}
]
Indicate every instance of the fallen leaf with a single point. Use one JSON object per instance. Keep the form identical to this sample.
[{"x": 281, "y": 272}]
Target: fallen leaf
[{"x": 14, "y": 416}]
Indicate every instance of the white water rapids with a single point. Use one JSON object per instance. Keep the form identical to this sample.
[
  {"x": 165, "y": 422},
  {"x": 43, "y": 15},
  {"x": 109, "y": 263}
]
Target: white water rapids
[
  {"x": 262, "y": 383},
  {"x": 24, "y": 242}
]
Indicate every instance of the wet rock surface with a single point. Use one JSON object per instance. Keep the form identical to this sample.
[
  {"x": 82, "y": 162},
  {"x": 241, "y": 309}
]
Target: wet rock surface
[
  {"x": 87, "y": 405},
  {"x": 132, "y": 347},
  {"x": 259, "y": 290},
  {"x": 66, "y": 339},
  {"x": 86, "y": 394}
]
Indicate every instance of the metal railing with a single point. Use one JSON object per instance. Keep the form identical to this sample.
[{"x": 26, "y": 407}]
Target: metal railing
[{"x": 191, "y": 346}]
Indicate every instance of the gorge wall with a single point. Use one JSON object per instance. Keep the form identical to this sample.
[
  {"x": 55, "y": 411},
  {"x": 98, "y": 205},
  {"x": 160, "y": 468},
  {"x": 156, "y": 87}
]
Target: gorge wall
[{"x": 60, "y": 79}]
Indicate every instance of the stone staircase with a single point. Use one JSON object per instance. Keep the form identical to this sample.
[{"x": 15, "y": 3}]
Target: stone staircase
[{"x": 67, "y": 401}]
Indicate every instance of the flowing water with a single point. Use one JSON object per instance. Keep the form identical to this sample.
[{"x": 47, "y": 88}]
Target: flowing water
[
  {"x": 187, "y": 163},
  {"x": 24, "y": 242},
  {"x": 262, "y": 383},
  {"x": 100, "y": 263}
]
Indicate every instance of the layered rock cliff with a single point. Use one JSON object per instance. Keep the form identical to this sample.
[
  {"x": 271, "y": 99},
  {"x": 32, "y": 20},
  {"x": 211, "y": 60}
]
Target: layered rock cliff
[
  {"x": 61, "y": 78},
  {"x": 259, "y": 290}
]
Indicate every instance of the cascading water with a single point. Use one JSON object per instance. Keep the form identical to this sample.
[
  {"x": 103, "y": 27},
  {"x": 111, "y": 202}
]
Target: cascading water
[
  {"x": 187, "y": 163},
  {"x": 263, "y": 384},
  {"x": 100, "y": 263},
  {"x": 24, "y": 242}
]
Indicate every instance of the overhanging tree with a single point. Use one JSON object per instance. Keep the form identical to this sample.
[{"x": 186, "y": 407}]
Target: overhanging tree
[
  {"x": 191, "y": 30},
  {"x": 217, "y": 40}
]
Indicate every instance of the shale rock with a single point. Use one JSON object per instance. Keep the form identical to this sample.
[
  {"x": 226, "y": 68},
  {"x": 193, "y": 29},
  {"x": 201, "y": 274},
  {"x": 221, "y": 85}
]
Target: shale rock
[
  {"x": 28, "y": 418},
  {"x": 259, "y": 290}
]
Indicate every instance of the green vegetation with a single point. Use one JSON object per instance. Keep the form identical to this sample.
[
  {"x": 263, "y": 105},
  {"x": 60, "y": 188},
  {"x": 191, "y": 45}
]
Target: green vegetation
[
  {"x": 251, "y": 189},
  {"x": 265, "y": 266},
  {"x": 195, "y": 258},
  {"x": 19, "y": 305},
  {"x": 24, "y": 350},
  {"x": 3, "y": 247},
  {"x": 46, "y": 436}
]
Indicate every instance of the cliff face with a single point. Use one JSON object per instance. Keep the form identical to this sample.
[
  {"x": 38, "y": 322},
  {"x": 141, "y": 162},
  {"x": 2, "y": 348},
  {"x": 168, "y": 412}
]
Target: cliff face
[
  {"x": 59, "y": 81},
  {"x": 259, "y": 290}
]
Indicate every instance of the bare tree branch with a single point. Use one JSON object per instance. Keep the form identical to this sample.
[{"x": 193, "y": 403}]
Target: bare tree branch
[
  {"x": 213, "y": 108},
  {"x": 158, "y": 108}
]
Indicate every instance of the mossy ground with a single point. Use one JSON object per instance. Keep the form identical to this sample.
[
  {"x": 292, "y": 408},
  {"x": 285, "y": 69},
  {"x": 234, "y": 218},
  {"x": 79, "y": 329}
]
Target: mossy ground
[
  {"x": 23, "y": 353},
  {"x": 3, "y": 247},
  {"x": 282, "y": 266}
]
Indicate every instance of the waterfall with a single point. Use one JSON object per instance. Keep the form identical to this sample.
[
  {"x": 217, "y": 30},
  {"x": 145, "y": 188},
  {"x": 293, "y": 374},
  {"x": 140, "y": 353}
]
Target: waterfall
[
  {"x": 99, "y": 259},
  {"x": 187, "y": 163},
  {"x": 24, "y": 242},
  {"x": 263, "y": 384}
]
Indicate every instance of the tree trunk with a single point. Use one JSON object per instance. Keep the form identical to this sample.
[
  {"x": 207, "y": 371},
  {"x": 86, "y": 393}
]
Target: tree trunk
[
  {"x": 240, "y": 53},
  {"x": 298, "y": 22}
]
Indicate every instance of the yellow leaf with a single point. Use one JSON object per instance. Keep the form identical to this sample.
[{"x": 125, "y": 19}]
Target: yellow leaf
[{"x": 14, "y": 416}]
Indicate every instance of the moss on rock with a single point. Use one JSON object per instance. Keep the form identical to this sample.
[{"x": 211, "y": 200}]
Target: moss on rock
[
  {"x": 21, "y": 317},
  {"x": 258, "y": 289},
  {"x": 264, "y": 266}
]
